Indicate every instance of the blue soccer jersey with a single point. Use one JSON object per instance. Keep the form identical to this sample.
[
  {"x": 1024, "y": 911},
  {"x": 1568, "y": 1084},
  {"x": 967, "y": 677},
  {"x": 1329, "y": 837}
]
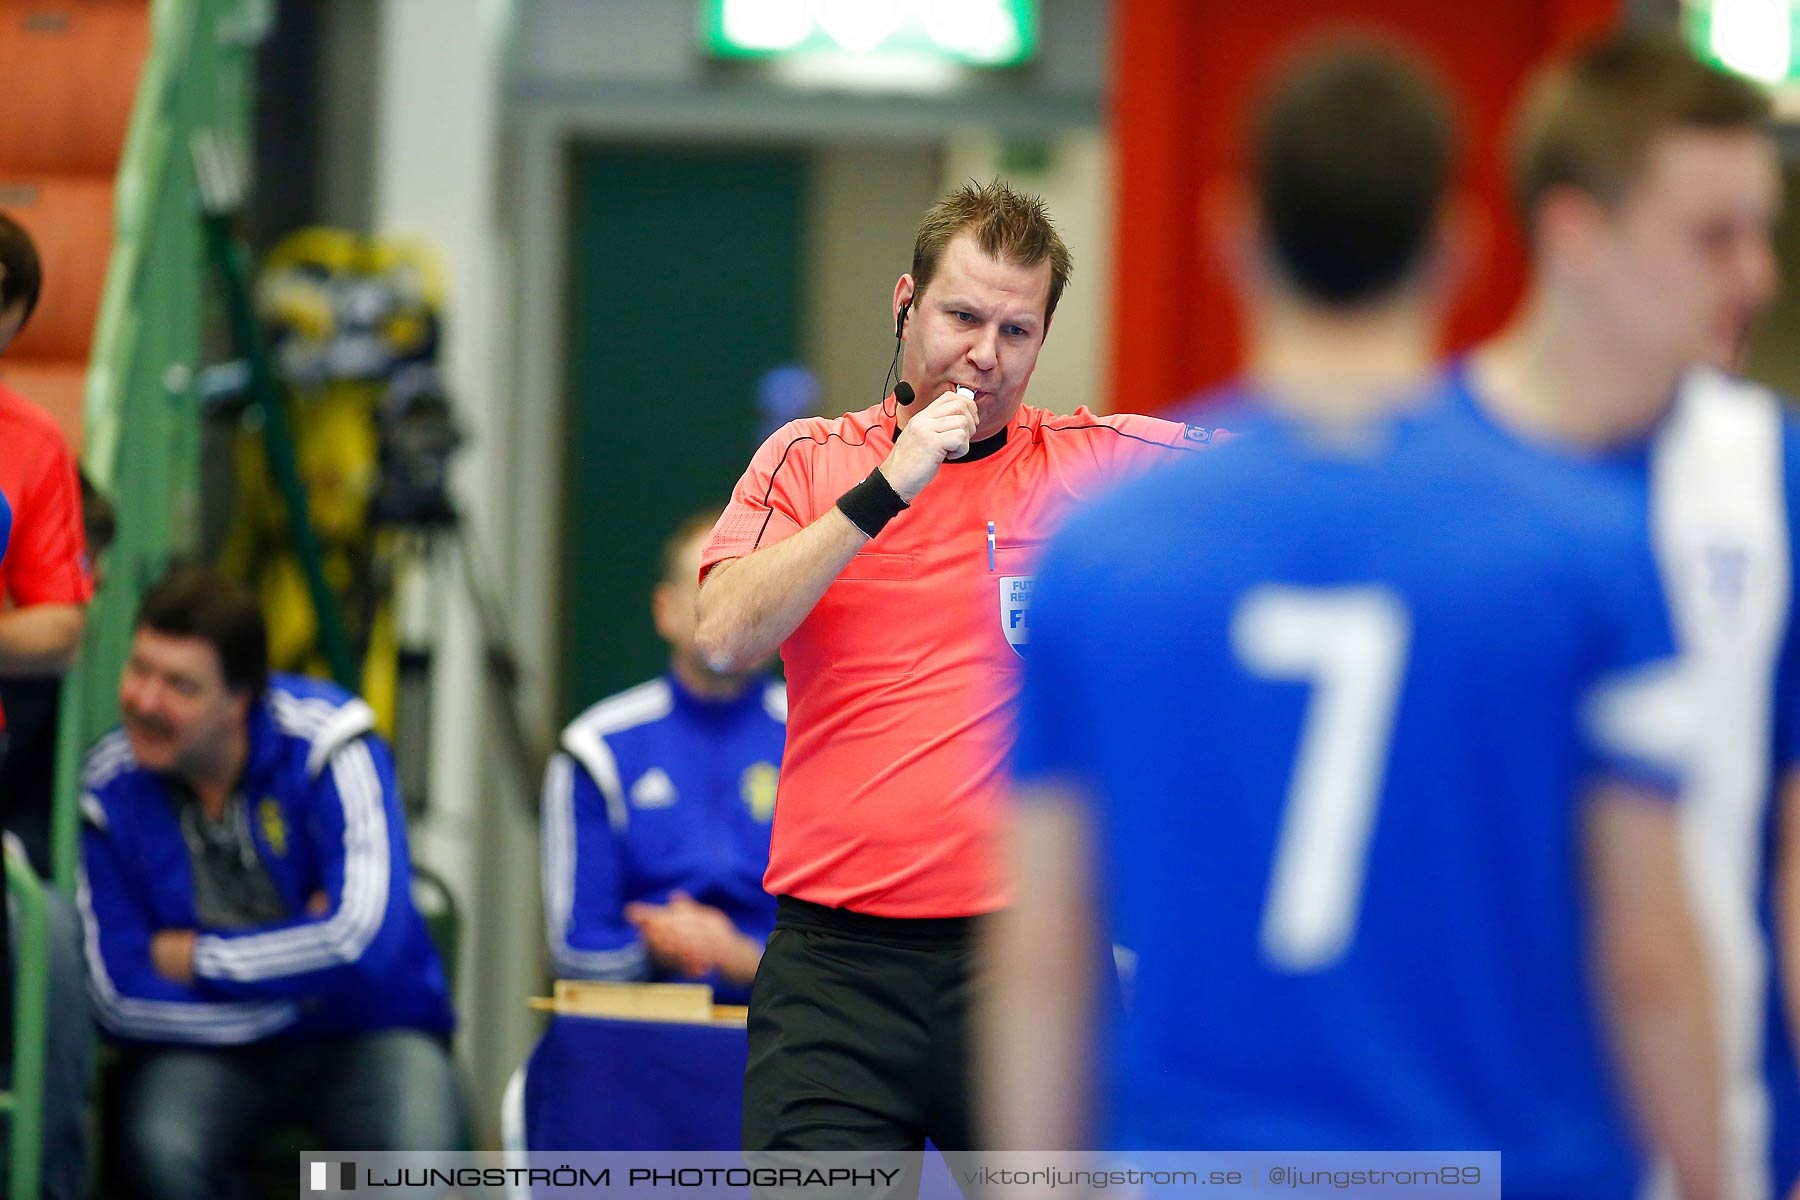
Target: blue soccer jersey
[
  {"x": 659, "y": 791},
  {"x": 1721, "y": 484},
  {"x": 1335, "y": 696}
]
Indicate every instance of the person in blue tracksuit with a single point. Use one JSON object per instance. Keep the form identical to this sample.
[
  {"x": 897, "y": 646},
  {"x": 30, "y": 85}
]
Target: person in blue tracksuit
[
  {"x": 657, "y": 813},
  {"x": 251, "y": 938}
]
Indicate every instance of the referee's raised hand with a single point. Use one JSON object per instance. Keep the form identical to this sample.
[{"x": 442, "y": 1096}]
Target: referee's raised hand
[{"x": 942, "y": 431}]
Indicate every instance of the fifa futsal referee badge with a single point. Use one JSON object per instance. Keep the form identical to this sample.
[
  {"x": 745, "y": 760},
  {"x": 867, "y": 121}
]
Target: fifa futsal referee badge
[{"x": 1015, "y": 606}]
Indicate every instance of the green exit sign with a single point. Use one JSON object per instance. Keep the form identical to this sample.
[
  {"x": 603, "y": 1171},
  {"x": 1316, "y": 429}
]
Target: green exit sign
[
  {"x": 977, "y": 33},
  {"x": 1753, "y": 38}
]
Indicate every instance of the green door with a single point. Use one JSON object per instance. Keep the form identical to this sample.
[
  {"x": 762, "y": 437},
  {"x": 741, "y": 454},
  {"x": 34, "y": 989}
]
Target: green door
[{"x": 684, "y": 275}]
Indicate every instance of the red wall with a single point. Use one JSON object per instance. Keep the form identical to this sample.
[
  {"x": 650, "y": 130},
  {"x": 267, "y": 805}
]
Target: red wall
[{"x": 1185, "y": 74}]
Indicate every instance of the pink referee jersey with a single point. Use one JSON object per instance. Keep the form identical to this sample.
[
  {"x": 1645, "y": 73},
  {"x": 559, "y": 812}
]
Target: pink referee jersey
[{"x": 901, "y": 679}]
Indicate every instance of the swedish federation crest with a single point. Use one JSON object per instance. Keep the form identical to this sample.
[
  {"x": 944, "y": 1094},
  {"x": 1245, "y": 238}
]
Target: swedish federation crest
[
  {"x": 1015, "y": 609},
  {"x": 758, "y": 785}
]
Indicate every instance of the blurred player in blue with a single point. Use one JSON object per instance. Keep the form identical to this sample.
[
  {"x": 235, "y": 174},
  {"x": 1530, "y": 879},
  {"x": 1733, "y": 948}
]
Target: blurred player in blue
[
  {"x": 1649, "y": 183},
  {"x": 1355, "y": 735}
]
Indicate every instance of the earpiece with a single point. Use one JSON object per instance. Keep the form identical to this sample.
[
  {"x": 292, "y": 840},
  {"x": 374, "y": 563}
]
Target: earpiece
[{"x": 900, "y": 319}]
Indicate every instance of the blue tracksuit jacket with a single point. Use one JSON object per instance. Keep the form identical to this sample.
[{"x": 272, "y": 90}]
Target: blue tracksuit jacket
[
  {"x": 658, "y": 791},
  {"x": 325, "y": 816}
]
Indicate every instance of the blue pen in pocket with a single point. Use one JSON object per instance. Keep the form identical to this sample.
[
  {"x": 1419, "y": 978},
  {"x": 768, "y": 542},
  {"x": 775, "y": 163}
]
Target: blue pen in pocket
[{"x": 990, "y": 546}]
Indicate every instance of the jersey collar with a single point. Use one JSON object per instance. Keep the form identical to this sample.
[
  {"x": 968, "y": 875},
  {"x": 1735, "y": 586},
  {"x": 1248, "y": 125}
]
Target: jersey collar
[{"x": 985, "y": 448}]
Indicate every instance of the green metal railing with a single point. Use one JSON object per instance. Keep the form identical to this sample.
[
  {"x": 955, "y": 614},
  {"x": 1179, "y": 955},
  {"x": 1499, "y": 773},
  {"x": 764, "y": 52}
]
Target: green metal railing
[
  {"x": 24, "y": 1104},
  {"x": 142, "y": 440},
  {"x": 142, "y": 411}
]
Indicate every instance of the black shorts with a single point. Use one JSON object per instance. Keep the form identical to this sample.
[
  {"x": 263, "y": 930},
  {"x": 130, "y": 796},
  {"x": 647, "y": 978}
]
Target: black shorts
[{"x": 859, "y": 1032}]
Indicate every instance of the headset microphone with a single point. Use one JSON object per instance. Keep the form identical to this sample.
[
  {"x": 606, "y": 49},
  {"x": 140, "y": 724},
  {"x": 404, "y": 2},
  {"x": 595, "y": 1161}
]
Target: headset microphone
[{"x": 904, "y": 391}]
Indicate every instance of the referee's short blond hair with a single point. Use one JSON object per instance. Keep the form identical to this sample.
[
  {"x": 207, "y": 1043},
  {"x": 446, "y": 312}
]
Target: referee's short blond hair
[{"x": 1008, "y": 225}]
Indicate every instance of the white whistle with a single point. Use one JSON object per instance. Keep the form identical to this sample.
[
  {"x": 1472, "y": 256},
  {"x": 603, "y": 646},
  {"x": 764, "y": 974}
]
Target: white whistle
[{"x": 965, "y": 393}]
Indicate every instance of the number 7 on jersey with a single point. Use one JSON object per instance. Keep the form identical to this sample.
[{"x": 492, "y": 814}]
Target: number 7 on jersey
[{"x": 1349, "y": 644}]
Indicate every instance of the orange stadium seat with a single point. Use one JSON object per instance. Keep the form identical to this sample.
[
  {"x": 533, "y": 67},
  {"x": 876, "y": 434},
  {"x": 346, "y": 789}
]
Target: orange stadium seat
[
  {"x": 70, "y": 217},
  {"x": 72, "y": 70}
]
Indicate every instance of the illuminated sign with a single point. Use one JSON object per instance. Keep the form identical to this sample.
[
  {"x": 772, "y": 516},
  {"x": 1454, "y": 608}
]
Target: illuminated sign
[
  {"x": 1754, "y": 38},
  {"x": 976, "y": 33}
]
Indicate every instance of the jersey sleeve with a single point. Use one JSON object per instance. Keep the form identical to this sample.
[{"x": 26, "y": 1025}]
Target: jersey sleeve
[
  {"x": 1637, "y": 703},
  {"x": 1787, "y": 701},
  {"x": 584, "y": 877},
  {"x": 1143, "y": 442},
  {"x": 772, "y": 499},
  {"x": 1787, "y": 675},
  {"x": 46, "y": 560}
]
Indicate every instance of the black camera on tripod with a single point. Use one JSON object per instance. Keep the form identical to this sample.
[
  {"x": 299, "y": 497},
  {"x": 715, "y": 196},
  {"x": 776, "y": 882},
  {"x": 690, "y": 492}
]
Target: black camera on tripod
[{"x": 417, "y": 438}]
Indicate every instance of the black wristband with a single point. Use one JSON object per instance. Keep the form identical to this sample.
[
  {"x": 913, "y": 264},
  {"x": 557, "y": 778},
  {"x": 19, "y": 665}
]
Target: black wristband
[{"x": 871, "y": 504}]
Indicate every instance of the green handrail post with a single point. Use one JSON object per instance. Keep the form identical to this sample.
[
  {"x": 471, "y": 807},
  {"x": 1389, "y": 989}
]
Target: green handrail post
[
  {"x": 141, "y": 446},
  {"x": 24, "y": 1104},
  {"x": 142, "y": 418}
]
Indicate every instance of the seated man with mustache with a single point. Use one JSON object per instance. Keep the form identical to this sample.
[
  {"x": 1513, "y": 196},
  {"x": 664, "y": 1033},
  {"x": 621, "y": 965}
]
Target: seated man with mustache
[{"x": 252, "y": 940}]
